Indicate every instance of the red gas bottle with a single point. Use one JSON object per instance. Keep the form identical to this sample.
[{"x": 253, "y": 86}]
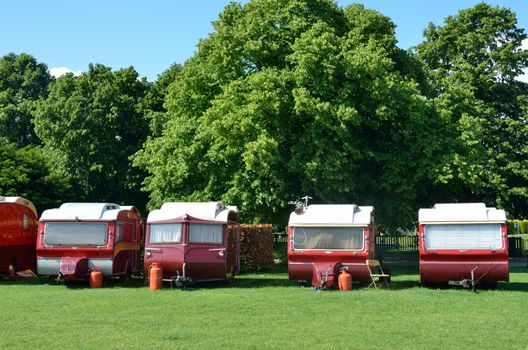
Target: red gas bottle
[
  {"x": 345, "y": 280},
  {"x": 155, "y": 277},
  {"x": 96, "y": 278}
]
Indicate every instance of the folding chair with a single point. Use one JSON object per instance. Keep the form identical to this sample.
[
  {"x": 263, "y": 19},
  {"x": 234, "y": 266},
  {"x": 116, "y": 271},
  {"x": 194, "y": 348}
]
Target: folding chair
[{"x": 383, "y": 278}]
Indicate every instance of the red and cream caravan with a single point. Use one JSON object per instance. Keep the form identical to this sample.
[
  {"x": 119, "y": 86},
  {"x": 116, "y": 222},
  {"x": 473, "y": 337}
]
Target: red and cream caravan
[
  {"x": 193, "y": 242},
  {"x": 79, "y": 237},
  {"x": 463, "y": 242},
  {"x": 18, "y": 233},
  {"x": 323, "y": 238}
]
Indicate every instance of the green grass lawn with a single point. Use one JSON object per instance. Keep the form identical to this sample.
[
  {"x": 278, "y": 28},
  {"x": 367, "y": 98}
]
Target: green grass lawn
[{"x": 264, "y": 311}]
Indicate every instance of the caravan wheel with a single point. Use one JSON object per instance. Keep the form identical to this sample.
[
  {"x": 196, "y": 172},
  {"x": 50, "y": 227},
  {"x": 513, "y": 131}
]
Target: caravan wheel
[{"x": 12, "y": 268}]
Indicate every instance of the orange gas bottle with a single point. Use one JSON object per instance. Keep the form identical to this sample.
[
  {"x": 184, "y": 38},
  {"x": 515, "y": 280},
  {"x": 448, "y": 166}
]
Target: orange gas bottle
[
  {"x": 345, "y": 280},
  {"x": 96, "y": 278},
  {"x": 155, "y": 277}
]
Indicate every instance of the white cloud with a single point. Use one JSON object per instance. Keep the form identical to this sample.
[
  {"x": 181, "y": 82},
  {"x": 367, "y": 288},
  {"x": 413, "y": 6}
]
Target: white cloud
[
  {"x": 524, "y": 77},
  {"x": 58, "y": 71}
]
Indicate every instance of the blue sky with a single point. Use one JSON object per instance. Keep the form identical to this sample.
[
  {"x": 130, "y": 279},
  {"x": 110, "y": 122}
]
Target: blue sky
[{"x": 151, "y": 35}]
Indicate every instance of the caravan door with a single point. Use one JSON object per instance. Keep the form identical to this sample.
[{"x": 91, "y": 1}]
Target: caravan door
[{"x": 205, "y": 255}]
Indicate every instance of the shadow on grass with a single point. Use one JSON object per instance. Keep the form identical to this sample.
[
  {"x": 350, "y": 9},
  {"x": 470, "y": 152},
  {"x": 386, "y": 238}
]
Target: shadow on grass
[
  {"x": 263, "y": 282},
  {"x": 514, "y": 286},
  {"x": 45, "y": 281},
  {"x": 112, "y": 282},
  {"x": 20, "y": 281},
  {"x": 404, "y": 277}
]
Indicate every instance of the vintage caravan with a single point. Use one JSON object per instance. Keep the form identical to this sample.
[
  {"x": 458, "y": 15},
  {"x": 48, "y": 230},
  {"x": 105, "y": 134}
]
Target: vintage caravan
[
  {"x": 77, "y": 238},
  {"x": 18, "y": 233},
  {"x": 463, "y": 243},
  {"x": 324, "y": 238},
  {"x": 193, "y": 242}
]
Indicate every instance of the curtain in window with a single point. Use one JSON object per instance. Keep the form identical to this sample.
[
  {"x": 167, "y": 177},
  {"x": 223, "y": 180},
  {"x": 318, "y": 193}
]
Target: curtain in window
[
  {"x": 350, "y": 238},
  {"x": 205, "y": 233},
  {"x": 165, "y": 233},
  {"x": 463, "y": 236},
  {"x": 75, "y": 234}
]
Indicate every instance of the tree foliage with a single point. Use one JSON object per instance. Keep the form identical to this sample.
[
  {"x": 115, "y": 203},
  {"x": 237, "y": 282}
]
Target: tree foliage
[
  {"x": 22, "y": 82},
  {"x": 26, "y": 172},
  {"x": 294, "y": 97},
  {"x": 473, "y": 61},
  {"x": 92, "y": 124},
  {"x": 157, "y": 113}
]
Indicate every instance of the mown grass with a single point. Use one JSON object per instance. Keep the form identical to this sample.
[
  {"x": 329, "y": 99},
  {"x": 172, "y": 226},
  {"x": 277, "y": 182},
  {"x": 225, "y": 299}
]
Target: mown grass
[{"x": 264, "y": 311}]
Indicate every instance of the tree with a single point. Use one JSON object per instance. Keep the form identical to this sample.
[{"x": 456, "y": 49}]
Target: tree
[
  {"x": 473, "y": 60},
  {"x": 157, "y": 113},
  {"x": 293, "y": 97},
  {"x": 26, "y": 172},
  {"x": 92, "y": 124},
  {"x": 22, "y": 82}
]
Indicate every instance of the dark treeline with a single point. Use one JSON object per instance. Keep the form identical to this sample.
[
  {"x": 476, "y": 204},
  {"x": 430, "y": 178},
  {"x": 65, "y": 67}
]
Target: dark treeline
[{"x": 284, "y": 98}]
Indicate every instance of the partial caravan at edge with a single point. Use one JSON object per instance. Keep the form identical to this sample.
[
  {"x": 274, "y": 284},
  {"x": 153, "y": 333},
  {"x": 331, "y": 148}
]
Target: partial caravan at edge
[{"x": 18, "y": 232}]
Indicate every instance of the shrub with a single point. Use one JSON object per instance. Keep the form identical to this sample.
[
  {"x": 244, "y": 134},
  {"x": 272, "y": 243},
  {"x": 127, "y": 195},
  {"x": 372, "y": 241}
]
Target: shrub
[
  {"x": 516, "y": 227},
  {"x": 256, "y": 247}
]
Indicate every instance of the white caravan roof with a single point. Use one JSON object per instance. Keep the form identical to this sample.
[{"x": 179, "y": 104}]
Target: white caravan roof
[
  {"x": 332, "y": 214},
  {"x": 461, "y": 212},
  {"x": 85, "y": 211},
  {"x": 210, "y": 211}
]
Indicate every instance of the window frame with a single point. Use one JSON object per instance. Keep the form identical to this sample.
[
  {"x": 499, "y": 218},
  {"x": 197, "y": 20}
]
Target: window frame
[
  {"x": 25, "y": 220},
  {"x": 362, "y": 228},
  {"x": 498, "y": 235},
  {"x": 181, "y": 224},
  {"x": 222, "y": 226},
  {"x": 106, "y": 236},
  {"x": 121, "y": 237}
]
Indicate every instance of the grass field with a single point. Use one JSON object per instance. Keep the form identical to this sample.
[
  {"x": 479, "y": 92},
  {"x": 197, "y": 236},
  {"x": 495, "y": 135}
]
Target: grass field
[{"x": 264, "y": 311}]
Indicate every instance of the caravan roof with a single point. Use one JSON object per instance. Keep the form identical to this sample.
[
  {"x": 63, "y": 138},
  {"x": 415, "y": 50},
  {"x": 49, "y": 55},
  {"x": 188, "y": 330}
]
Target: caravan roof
[
  {"x": 461, "y": 212},
  {"x": 85, "y": 211},
  {"x": 210, "y": 211},
  {"x": 332, "y": 214}
]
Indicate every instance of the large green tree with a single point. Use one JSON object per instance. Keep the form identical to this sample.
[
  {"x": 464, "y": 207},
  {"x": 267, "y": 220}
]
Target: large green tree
[
  {"x": 296, "y": 97},
  {"x": 473, "y": 62},
  {"x": 91, "y": 125},
  {"x": 22, "y": 82}
]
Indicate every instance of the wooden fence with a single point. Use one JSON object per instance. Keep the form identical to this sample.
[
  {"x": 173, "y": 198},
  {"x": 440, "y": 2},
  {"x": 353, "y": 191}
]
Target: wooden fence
[
  {"x": 280, "y": 241},
  {"x": 397, "y": 244},
  {"x": 404, "y": 244},
  {"x": 515, "y": 246}
]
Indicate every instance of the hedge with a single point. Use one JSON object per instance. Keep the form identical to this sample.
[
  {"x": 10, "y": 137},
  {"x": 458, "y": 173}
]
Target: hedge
[
  {"x": 256, "y": 247},
  {"x": 516, "y": 227}
]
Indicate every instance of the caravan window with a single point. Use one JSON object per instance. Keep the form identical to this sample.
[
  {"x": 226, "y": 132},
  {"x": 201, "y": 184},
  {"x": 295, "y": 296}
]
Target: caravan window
[
  {"x": 206, "y": 233},
  {"x": 165, "y": 233},
  {"x": 463, "y": 236},
  {"x": 75, "y": 233},
  {"x": 345, "y": 238},
  {"x": 25, "y": 220},
  {"x": 120, "y": 232}
]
